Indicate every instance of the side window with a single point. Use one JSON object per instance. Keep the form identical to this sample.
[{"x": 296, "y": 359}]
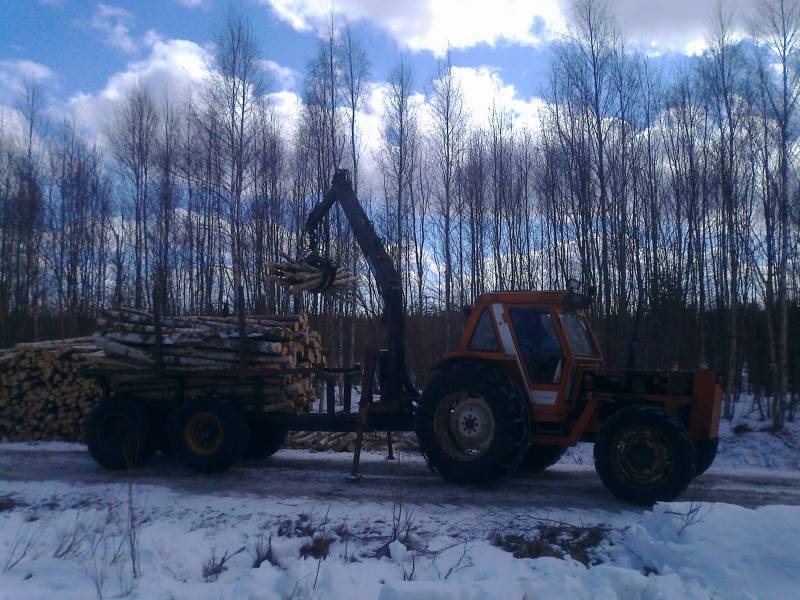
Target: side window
[
  {"x": 577, "y": 333},
  {"x": 539, "y": 345},
  {"x": 484, "y": 339}
]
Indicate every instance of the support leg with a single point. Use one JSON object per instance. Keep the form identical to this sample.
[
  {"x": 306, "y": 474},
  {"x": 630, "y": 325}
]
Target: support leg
[{"x": 363, "y": 408}]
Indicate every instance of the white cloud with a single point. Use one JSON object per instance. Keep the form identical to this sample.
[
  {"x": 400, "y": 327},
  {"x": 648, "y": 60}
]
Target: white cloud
[
  {"x": 114, "y": 24},
  {"x": 680, "y": 26},
  {"x": 191, "y": 3},
  {"x": 14, "y": 74},
  {"x": 435, "y": 24},
  {"x": 483, "y": 88},
  {"x": 657, "y": 27},
  {"x": 284, "y": 77},
  {"x": 287, "y": 106},
  {"x": 169, "y": 71}
]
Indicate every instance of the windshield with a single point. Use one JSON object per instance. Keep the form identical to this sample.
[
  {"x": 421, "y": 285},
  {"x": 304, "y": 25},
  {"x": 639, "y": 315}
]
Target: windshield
[{"x": 578, "y": 336}]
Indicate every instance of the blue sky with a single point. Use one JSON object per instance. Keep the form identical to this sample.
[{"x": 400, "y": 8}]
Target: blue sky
[
  {"x": 88, "y": 52},
  {"x": 84, "y": 43}
]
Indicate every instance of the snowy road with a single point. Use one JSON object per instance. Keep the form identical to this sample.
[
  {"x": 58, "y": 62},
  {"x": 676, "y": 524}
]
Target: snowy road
[{"x": 301, "y": 474}]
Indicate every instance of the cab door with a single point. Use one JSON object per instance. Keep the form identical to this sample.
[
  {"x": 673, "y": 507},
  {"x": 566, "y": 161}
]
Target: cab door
[{"x": 530, "y": 333}]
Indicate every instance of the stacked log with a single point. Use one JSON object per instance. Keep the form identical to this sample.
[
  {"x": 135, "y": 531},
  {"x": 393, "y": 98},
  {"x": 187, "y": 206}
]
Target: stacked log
[
  {"x": 322, "y": 441},
  {"x": 302, "y": 276},
  {"x": 42, "y": 393},
  {"x": 206, "y": 344}
]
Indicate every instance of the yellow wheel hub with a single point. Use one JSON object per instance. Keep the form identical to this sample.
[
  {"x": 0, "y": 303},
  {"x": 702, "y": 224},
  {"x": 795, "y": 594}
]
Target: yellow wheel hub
[{"x": 204, "y": 433}]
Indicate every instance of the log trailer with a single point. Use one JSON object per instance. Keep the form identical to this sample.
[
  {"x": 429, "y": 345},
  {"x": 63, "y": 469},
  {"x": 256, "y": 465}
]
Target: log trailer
[{"x": 525, "y": 383}]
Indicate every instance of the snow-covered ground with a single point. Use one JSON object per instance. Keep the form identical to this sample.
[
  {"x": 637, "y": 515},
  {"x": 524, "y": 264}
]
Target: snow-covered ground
[
  {"x": 292, "y": 527},
  {"x": 75, "y": 541}
]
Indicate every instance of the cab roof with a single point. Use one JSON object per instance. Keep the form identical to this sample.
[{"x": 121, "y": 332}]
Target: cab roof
[{"x": 525, "y": 297}]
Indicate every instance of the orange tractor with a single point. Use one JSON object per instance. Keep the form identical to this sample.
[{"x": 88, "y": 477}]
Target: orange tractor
[{"x": 525, "y": 383}]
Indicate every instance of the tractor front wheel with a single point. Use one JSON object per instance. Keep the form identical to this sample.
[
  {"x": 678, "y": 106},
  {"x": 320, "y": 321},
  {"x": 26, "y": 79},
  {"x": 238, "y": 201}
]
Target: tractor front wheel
[
  {"x": 208, "y": 434},
  {"x": 472, "y": 424},
  {"x": 643, "y": 455}
]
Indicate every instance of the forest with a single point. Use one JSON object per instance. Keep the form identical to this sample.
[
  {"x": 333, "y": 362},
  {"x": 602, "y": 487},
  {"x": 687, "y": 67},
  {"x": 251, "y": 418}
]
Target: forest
[{"x": 674, "y": 194}]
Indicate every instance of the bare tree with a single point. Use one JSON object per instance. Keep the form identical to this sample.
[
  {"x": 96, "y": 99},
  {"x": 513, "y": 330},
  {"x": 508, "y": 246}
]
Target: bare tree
[
  {"x": 449, "y": 134},
  {"x": 234, "y": 95},
  {"x": 132, "y": 138}
]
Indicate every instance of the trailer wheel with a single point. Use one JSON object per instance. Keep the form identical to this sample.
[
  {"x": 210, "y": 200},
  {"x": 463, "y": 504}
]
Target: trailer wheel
[
  {"x": 643, "y": 455},
  {"x": 541, "y": 456},
  {"x": 117, "y": 433},
  {"x": 208, "y": 434},
  {"x": 472, "y": 424},
  {"x": 705, "y": 451},
  {"x": 265, "y": 440}
]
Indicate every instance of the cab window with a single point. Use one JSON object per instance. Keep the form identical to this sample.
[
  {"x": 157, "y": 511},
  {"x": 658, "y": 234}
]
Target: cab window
[
  {"x": 578, "y": 336},
  {"x": 484, "y": 338},
  {"x": 538, "y": 343}
]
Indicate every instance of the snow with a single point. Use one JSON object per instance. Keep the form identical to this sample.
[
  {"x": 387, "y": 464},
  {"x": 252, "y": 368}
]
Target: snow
[
  {"x": 676, "y": 550},
  {"x": 731, "y": 551},
  {"x": 401, "y": 533},
  {"x": 42, "y": 446}
]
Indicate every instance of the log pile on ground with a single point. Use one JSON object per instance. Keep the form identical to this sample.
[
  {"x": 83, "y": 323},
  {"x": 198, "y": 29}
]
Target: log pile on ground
[
  {"x": 322, "y": 441},
  {"x": 205, "y": 344},
  {"x": 42, "y": 393},
  {"x": 302, "y": 276}
]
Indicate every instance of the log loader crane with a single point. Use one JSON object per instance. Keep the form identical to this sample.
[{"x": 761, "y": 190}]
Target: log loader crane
[{"x": 526, "y": 382}]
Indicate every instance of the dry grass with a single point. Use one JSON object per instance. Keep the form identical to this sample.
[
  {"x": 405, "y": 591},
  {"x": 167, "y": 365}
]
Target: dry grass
[{"x": 557, "y": 540}]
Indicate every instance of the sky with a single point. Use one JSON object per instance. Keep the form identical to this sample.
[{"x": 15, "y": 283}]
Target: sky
[{"x": 87, "y": 53}]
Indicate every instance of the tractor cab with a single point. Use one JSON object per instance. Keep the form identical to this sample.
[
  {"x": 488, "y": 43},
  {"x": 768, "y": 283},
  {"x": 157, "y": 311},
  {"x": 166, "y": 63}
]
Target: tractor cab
[{"x": 539, "y": 339}]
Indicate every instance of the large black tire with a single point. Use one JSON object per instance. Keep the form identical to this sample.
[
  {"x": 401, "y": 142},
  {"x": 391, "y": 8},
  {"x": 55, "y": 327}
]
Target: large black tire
[
  {"x": 117, "y": 433},
  {"x": 446, "y": 418},
  {"x": 208, "y": 434},
  {"x": 265, "y": 440},
  {"x": 541, "y": 456},
  {"x": 643, "y": 455},
  {"x": 705, "y": 451}
]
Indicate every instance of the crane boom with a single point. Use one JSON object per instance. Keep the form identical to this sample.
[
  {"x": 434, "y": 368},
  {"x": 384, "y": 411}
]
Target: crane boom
[{"x": 395, "y": 382}]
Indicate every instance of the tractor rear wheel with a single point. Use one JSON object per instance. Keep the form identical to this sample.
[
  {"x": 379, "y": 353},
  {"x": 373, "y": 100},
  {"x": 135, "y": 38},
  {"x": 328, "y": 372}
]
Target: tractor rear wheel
[
  {"x": 117, "y": 433},
  {"x": 705, "y": 451},
  {"x": 265, "y": 440},
  {"x": 541, "y": 456},
  {"x": 209, "y": 435},
  {"x": 473, "y": 424},
  {"x": 643, "y": 455}
]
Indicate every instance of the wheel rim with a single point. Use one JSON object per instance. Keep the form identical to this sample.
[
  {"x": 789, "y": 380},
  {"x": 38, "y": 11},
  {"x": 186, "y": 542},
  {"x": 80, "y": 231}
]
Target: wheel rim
[
  {"x": 642, "y": 457},
  {"x": 204, "y": 433},
  {"x": 464, "y": 425}
]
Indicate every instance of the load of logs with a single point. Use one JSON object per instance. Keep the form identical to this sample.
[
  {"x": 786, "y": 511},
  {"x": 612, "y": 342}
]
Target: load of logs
[
  {"x": 302, "y": 276},
  {"x": 45, "y": 396},
  {"x": 208, "y": 343},
  {"x": 42, "y": 393}
]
